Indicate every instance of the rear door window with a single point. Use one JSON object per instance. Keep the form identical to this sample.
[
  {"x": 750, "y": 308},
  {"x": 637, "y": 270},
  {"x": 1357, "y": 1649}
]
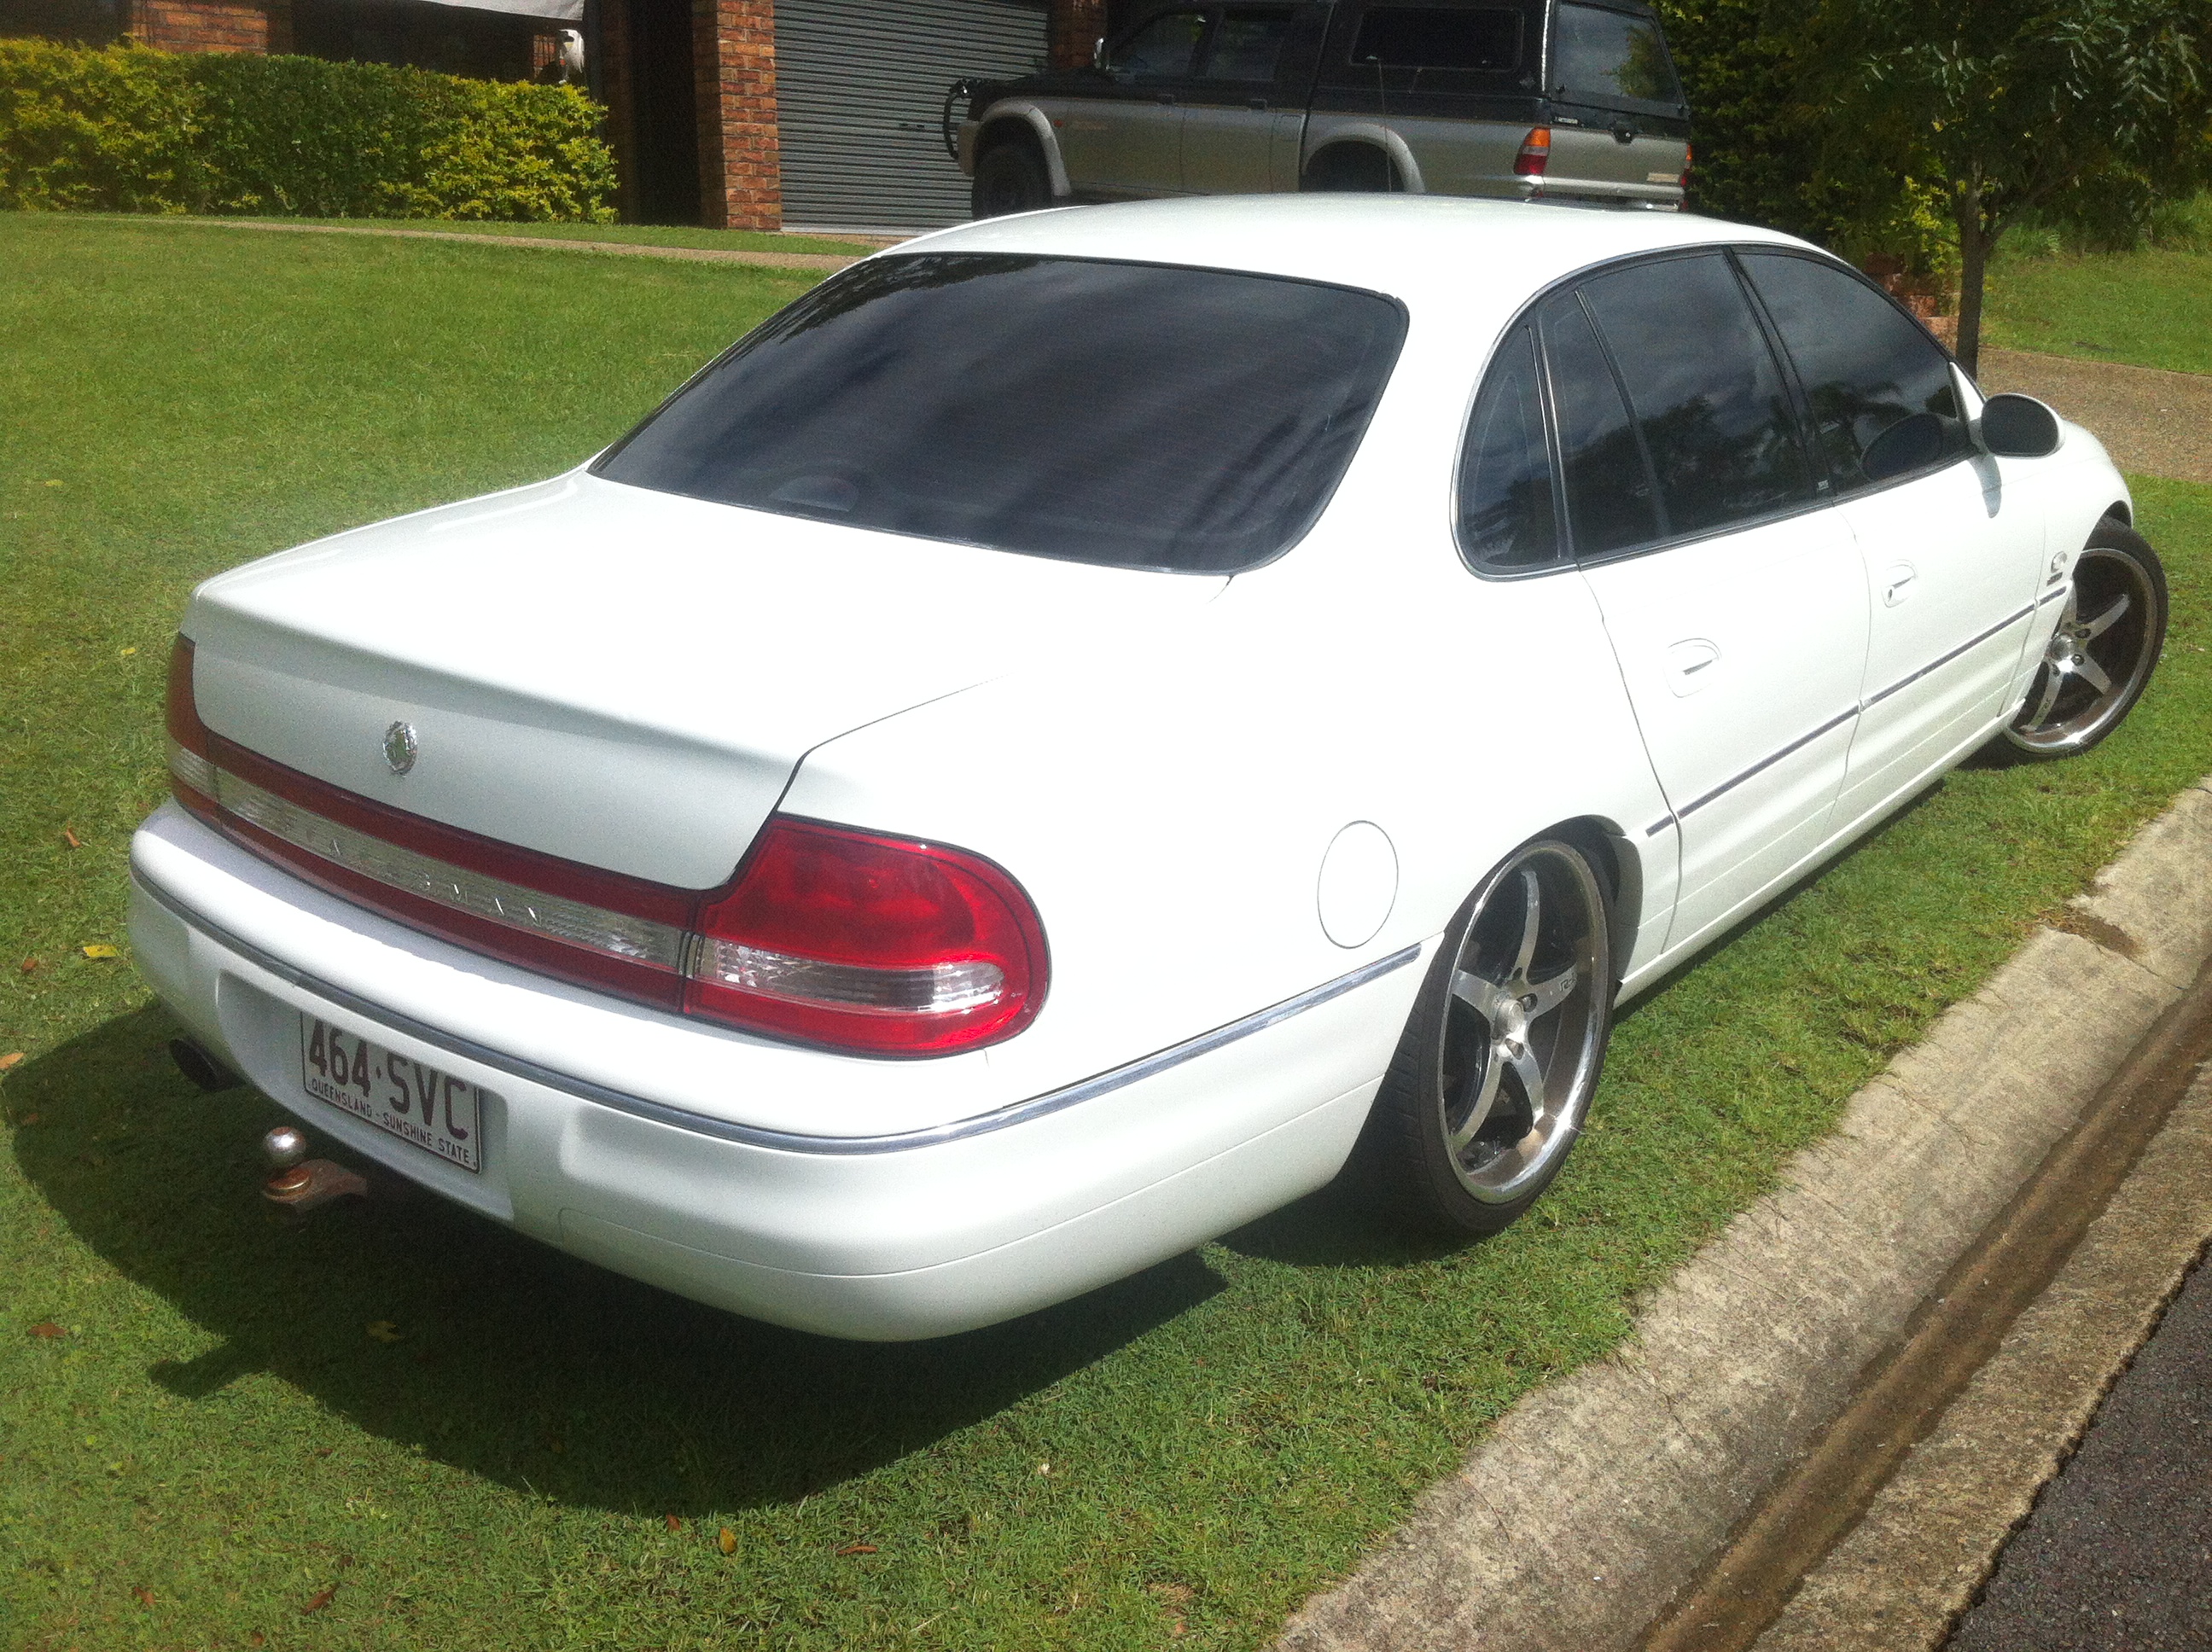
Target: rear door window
[
  {"x": 1136, "y": 415},
  {"x": 1611, "y": 57},
  {"x": 1864, "y": 364},
  {"x": 1611, "y": 504},
  {"x": 1707, "y": 394},
  {"x": 1246, "y": 45}
]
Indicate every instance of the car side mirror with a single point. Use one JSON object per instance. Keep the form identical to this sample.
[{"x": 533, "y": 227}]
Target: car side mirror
[
  {"x": 2019, "y": 427},
  {"x": 1910, "y": 443}
]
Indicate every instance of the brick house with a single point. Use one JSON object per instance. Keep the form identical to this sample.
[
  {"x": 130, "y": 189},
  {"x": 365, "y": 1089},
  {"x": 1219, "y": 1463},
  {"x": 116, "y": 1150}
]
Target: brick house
[{"x": 737, "y": 114}]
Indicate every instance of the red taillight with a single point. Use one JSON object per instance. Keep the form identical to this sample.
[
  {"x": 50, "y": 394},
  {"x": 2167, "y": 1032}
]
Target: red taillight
[
  {"x": 867, "y": 943},
  {"x": 1687, "y": 153},
  {"x": 191, "y": 771},
  {"x": 879, "y": 945},
  {"x": 1535, "y": 153}
]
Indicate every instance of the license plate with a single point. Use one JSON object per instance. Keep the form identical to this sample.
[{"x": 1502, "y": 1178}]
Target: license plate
[{"x": 437, "y": 1112}]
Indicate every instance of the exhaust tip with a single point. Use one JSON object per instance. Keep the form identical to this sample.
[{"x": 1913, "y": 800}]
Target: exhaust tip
[{"x": 206, "y": 1072}]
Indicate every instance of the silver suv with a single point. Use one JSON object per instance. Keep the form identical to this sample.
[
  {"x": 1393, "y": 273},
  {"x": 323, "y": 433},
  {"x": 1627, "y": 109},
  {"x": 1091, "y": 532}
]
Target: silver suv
[{"x": 1524, "y": 99}]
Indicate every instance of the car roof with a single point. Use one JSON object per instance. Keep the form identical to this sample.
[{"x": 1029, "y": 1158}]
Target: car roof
[{"x": 1423, "y": 249}]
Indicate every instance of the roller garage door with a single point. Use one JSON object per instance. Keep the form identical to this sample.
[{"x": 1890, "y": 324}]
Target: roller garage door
[{"x": 860, "y": 85}]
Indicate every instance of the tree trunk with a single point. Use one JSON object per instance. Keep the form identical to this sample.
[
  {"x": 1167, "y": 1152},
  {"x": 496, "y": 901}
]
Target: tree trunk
[{"x": 1976, "y": 242}]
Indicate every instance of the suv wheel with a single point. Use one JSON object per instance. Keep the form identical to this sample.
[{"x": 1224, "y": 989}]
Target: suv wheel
[{"x": 1010, "y": 177}]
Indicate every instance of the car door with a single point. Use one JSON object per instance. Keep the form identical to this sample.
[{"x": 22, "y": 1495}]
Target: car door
[
  {"x": 1128, "y": 139},
  {"x": 1620, "y": 127},
  {"x": 1733, "y": 599},
  {"x": 1953, "y": 557},
  {"x": 1235, "y": 109}
]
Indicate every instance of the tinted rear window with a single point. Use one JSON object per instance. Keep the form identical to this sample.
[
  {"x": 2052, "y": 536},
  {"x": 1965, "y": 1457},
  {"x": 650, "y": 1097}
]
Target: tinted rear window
[
  {"x": 1425, "y": 37},
  {"x": 1609, "y": 58},
  {"x": 1130, "y": 415}
]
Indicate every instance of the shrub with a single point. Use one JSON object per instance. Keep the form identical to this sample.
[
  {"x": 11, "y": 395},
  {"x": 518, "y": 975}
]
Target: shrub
[
  {"x": 125, "y": 129},
  {"x": 106, "y": 131},
  {"x": 1766, "y": 155}
]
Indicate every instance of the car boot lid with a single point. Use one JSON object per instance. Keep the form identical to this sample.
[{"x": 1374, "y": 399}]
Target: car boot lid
[{"x": 618, "y": 676}]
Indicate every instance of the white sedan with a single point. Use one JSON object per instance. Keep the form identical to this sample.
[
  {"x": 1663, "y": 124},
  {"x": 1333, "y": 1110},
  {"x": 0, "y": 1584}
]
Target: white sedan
[{"x": 1087, "y": 722}]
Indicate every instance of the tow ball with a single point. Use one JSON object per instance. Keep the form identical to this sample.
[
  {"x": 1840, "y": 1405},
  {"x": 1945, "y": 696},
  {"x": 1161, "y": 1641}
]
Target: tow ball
[{"x": 301, "y": 1184}]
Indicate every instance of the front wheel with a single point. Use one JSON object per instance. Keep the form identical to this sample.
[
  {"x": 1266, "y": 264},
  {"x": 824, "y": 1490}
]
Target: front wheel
[
  {"x": 1494, "y": 1074},
  {"x": 1010, "y": 177},
  {"x": 2099, "y": 659}
]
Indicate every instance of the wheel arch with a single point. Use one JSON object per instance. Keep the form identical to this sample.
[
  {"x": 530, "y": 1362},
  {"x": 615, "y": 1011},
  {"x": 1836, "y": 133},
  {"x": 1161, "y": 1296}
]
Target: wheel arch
[
  {"x": 1613, "y": 852},
  {"x": 2121, "y": 512},
  {"x": 1369, "y": 135},
  {"x": 1019, "y": 123}
]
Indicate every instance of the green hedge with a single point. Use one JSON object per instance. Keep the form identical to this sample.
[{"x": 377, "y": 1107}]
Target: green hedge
[{"x": 125, "y": 129}]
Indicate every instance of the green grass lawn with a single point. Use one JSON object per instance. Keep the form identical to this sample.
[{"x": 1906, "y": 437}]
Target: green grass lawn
[
  {"x": 2152, "y": 308},
  {"x": 534, "y": 1454},
  {"x": 722, "y": 241}
]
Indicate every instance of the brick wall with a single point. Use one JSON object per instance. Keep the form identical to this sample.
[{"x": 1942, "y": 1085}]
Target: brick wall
[
  {"x": 741, "y": 186},
  {"x": 1077, "y": 26},
  {"x": 212, "y": 24}
]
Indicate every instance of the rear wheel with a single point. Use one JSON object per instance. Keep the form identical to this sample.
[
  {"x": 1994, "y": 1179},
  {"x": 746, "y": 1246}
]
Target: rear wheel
[
  {"x": 2099, "y": 659},
  {"x": 1494, "y": 1074},
  {"x": 1010, "y": 177}
]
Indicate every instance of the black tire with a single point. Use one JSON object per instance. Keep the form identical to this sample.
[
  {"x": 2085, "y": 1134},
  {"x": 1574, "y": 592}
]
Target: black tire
[
  {"x": 2100, "y": 659},
  {"x": 1010, "y": 177},
  {"x": 1459, "y": 1141},
  {"x": 1352, "y": 169}
]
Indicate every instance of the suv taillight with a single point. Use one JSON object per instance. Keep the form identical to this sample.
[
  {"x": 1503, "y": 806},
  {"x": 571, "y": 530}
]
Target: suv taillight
[
  {"x": 1688, "y": 155},
  {"x": 879, "y": 946},
  {"x": 868, "y": 943},
  {"x": 1535, "y": 153}
]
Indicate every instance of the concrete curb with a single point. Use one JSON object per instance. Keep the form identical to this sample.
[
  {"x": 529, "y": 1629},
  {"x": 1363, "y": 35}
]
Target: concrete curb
[
  {"x": 1932, "y": 1538},
  {"x": 1598, "y": 1498},
  {"x": 536, "y": 243}
]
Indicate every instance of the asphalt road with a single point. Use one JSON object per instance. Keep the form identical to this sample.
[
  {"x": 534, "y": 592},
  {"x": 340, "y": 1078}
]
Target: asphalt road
[{"x": 2119, "y": 1551}]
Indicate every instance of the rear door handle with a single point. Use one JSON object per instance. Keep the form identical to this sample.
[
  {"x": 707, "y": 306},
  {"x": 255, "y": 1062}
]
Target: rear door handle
[
  {"x": 1162, "y": 97},
  {"x": 1897, "y": 584},
  {"x": 1690, "y": 665}
]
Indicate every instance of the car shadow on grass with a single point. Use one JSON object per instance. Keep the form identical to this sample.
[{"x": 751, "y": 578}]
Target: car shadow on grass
[{"x": 427, "y": 1326}]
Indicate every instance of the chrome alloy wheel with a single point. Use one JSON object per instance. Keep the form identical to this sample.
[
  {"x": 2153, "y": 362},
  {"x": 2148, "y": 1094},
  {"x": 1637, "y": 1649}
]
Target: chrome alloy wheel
[
  {"x": 1524, "y": 1028},
  {"x": 2099, "y": 657}
]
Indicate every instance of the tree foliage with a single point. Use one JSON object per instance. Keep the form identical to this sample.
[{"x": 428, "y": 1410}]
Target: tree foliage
[{"x": 2090, "y": 110}]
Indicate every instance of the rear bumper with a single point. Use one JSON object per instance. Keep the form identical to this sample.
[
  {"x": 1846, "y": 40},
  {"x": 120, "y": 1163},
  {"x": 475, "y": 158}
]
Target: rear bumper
[{"x": 914, "y": 1235}]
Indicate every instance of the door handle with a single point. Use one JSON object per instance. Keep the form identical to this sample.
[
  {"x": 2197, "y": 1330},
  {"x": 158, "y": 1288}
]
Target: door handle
[
  {"x": 1689, "y": 664},
  {"x": 1623, "y": 134},
  {"x": 1256, "y": 103},
  {"x": 1162, "y": 97},
  {"x": 1897, "y": 584}
]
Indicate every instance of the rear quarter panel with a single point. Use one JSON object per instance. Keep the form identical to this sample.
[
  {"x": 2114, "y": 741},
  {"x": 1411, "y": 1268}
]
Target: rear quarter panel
[{"x": 1167, "y": 799}]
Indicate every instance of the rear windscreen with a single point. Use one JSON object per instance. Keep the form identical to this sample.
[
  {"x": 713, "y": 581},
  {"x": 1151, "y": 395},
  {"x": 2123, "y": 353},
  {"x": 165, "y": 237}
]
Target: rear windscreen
[
  {"x": 1135, "y": 415},
  {"x": 1608, "y": 57},
  {"x": 1427, "y": 37}
]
